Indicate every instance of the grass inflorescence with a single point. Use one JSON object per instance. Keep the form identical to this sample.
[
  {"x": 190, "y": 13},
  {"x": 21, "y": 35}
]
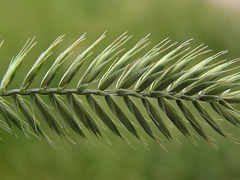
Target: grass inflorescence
[{"x": 162, "y": 75}]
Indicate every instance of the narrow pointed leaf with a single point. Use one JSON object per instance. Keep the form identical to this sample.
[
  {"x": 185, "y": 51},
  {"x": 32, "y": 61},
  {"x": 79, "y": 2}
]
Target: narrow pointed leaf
[
  {"x": 58, "y": 62},
  {"x": 30, "y": 118},
  {"x": 73, "y": 69},
  {"x": 173, "y": 116},
  {"x": 226, "y": 113},
  {"x": 8, "y": 113},
  {"x": 38, "y": 64},
  {"x": 111, "y": 78},
  {"x": 144, "y": 81},
  {"x": 4, "y": 116},
  {"x": 206, "y": 116},
  {"x": 22, "y": 107},
  {"x": 98, "y": 63},
  {"x": 5, "y": 127},
  {"x": 136, "y": 112},
  {"x": 107, "y": 79},
  {"x": 139, "y": 67},
  {"x": 131, "y": 79},
  {"x": 47, "y": 114},
  {"x": 191, "y": 119},
  {"x": 158, "y": 121},
  {"x": 195, "y": 89},
  {"x": 84, "y": 115},
  {"x": 102, "y": 115},
  {"x": 15, "y": 64},
  {"x": 121, "y": 116},
  {"x": 182, "y": 85},
  {"x": 163, "y": 83},
  {"x": 221, "y": 88},
  {"x": 67, "y": 115}
]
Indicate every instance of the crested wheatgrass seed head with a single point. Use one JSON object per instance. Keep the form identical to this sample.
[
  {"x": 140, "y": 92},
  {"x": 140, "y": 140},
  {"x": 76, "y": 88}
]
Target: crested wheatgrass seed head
[{"x": 161, "y": 80}]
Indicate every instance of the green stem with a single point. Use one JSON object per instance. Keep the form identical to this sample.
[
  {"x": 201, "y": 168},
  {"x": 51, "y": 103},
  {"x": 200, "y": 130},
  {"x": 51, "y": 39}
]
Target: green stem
[{"x": 116, "y": 92}]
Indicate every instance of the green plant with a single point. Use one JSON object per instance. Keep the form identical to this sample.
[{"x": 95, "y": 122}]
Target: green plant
[{"x": 167, "y": 79}]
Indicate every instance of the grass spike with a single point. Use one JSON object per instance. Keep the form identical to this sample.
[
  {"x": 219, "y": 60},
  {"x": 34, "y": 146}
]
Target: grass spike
[{"x": 161, "y": 74}]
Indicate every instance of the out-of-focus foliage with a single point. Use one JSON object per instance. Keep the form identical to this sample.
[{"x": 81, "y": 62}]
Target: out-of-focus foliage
[{"x": 180, "y": 20}]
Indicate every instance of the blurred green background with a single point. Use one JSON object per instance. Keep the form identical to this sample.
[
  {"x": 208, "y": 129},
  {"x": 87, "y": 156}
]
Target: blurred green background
[{"x": 207, "y": 21}]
